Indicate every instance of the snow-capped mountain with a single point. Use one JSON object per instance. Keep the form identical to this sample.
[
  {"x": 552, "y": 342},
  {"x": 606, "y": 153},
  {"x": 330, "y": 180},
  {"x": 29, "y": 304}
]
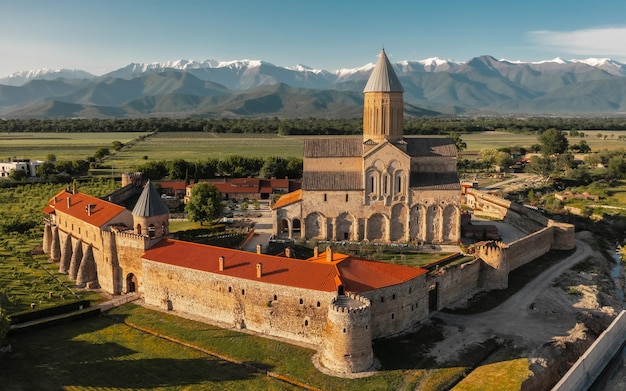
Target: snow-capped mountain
[
  {"x": 252, "y": 87},
  {"x": 23, "y": 77},
  {"x": 241, "y": 74}
]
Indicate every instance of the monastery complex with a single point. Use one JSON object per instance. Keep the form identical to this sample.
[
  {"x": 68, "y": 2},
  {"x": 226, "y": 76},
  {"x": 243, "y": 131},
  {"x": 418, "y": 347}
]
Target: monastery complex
[{"x": 381, "y": 188}]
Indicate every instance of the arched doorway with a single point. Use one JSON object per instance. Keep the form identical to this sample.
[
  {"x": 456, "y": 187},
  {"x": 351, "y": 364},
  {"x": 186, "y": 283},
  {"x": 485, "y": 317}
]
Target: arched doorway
[
  {"x": 131, "y": 283},
  {"x": 296, "y": 229},
  {"x": 283, "y": 227}
]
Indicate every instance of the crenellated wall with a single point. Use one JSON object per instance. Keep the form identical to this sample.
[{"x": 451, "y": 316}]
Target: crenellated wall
[{"x": 454, "y": 283}]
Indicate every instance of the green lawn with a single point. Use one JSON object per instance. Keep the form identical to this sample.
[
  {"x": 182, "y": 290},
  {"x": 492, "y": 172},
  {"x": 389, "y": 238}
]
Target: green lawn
[{"x": 100, "y": 353}]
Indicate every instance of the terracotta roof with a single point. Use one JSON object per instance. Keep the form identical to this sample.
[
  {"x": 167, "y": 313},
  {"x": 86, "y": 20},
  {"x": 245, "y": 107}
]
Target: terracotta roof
[
  {"x": 101, "y": 211},
  {"x": 383, "y": 78},
  {"x": 332, "y": 180},
  {"x": 150, "y": 203},
  {"x": 333, "y": 147},
  {"x": 174, "y": 185},
  {"x": 357, "y": 275},
  {"x": 288, "y": 199},
  {"x": 360, "y": 275}
]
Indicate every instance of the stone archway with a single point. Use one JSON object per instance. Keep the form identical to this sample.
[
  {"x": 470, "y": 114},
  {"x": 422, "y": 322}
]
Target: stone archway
[
  {"x": 283, "y": 227},
  {"x": 296, "y": 228},
  {"x": 131, "y": 283},
  {"x": 314, "y": 226},
  {"x": 376, "y": 227},
  {"x": 345, "y": 227},
  {"x": 449, "y": 224}
]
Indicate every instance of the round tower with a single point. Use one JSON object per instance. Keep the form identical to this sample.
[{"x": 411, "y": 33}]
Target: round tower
[
  {"x": 383, "y": 106},
  {"x": 347, "y": 344},
  {"x": 150, "y": 214}
]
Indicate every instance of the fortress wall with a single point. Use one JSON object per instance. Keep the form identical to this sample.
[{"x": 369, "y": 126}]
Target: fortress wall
[
  {"x": 518, "y": 215},
  {"x": 127, "y": 191},
  {"x": 397, "y": 308},
  {"x": 238, "y": 302},
  {"x": 530, "y": 247},
  {"x": 454, "y": 283},
  {"x": 130, "y": 248}
]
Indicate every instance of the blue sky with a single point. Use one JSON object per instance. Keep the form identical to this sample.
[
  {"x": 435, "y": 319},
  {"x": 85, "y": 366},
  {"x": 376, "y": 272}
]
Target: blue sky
[{"x": 100, "y": 36}]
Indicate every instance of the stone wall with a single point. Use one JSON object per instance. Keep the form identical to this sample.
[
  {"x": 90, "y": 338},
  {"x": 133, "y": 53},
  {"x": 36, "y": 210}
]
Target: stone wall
[
  {"x": 530, "y": 247},
  {"x": 454, "y": 283},
  {"x": 397, "y": 308},
  {"x": 293, "y": 313}
]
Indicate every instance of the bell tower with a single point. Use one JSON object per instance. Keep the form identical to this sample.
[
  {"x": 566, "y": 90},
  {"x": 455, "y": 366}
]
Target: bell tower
[{"x": 383, "y": 103}]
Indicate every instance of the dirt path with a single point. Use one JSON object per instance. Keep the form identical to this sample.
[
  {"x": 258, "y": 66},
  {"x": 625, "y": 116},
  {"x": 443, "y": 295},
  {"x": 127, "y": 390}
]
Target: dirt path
[{"x": 523, "y": 318}]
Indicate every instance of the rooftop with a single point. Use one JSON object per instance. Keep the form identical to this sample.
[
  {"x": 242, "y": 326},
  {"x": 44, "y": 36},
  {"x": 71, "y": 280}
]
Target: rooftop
[
  {"x": 356, "y": 274},
  {"x": 89, "y": 209}
]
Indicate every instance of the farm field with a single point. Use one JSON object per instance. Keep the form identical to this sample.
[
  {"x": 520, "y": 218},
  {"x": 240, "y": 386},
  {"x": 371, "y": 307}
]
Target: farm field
[
  {"x": 195, "y": 146},
  {"x": 66, "y": 146}
]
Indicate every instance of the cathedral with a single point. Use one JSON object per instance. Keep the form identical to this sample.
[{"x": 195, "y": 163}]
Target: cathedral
[{"x": 382, "y": 187}]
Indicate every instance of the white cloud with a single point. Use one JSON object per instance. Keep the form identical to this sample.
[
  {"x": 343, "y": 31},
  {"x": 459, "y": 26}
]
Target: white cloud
[{"x": 605, "y": 41}]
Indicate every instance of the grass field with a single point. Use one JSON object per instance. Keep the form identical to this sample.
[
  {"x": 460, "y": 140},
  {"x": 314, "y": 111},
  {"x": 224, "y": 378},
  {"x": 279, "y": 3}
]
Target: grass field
[
  {"x": 195, "y": 146},
  {"x": 66, "y": 146}
]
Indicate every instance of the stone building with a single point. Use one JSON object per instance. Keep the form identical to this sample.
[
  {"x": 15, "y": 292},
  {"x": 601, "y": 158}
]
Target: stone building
[
  {"x": 334, "y": 301},
  {"x": 382, "y": 187}
]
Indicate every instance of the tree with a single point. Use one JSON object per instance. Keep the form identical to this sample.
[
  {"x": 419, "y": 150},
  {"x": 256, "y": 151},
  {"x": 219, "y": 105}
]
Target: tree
[
  {"x": 553, "y": 142},
  {"x": 617, "y": 167},
  {"x": 543, "y": 166},
  {"x": 205, "y": 203},
  {"x": 18, "y": 175},
  {"x": 101, "y": 152},
  {"x": 488, "y": 157},
  {"x": 51, "y": 157},
  {"x": 117, "y": 145},
  {"x": 581, "y": 147},
  {"x": 274, "y": 167},
  {"x": 458, "y": 141}
]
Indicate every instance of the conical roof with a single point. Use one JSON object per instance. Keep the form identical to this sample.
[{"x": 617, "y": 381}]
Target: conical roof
[
  {"x": 383, "y": 77},
  {"x": 150, "y": 203}
]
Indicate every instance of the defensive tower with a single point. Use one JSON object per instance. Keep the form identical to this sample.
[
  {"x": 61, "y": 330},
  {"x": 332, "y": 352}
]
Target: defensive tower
[{"x": 347, "y": 344}]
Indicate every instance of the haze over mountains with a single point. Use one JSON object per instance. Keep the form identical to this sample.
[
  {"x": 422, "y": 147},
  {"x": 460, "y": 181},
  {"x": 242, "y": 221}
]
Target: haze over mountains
[{"x": 482, "y": 86}]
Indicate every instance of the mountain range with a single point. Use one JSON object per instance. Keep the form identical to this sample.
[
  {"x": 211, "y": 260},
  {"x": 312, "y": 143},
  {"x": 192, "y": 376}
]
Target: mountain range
[{"x": 250, "y": 88}]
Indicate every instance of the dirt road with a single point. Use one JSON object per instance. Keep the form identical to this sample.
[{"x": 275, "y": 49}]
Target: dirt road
[{"x": 528, "y": 318}]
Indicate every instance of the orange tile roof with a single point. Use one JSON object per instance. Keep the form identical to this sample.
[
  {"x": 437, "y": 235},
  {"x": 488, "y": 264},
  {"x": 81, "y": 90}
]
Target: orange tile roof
[
  {"x": 288, "y": 198},
  {"x": 358, "y": 275},
  {"x": 101, "y": 211}
]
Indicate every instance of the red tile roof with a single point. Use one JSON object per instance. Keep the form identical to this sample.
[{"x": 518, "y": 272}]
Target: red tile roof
[
  {"x": 357, "y": 275},
  {"x": 101, "y": 211},
  {"x": 288, "y": 198}
]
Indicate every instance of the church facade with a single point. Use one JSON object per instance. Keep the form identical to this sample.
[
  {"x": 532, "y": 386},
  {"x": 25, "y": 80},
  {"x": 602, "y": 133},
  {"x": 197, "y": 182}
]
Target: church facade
[{"x": 382, "y": 187}]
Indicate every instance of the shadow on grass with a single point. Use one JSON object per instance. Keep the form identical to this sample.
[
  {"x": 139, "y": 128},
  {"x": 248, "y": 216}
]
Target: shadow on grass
[
  {"x": 409, "y": 351},
  {"x": 102, "y": 354}
]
